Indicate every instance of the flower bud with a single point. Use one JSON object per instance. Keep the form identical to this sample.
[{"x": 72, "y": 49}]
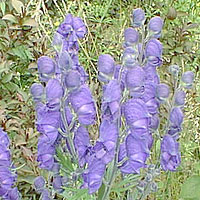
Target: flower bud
[
  {"x": 39, "y": 184},
  {"x": 37, "y": 90},
  {"x": 135, "y": 77},
  {"x": 138, "y": 17},
  {"x": 188, "y": 79},
  {"x": 129, "y": 57},
  {"x": 155, "y": 25},
  {"x": 162, "y": 91},
  {"x": 106, "y": 64},
  {"x": 172, "y": 14},
  {"x": 174, "y": 70},
  {"x": 46, "y": 65},
  {"x": 180, "y": 98},
  {"x": 72, "y": 79},
  {"x": 131, "y": 36},
  {"x": 57, "y": 183}
]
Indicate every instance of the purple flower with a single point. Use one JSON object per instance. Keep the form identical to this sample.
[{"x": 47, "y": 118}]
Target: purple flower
[
  {"x": 153, "y": 52},
  {"x": 105, "y": 147},
  {"x": 130, "y": 57},
  {"x": 135, "y": 77},
  {"x": 131, "y": 36},
  {"x": 82, "y": 144},
  {"x": 45, "y": 154},
  {"x": 138, "y": 17},
  {"x": 66, "y": 27},
  {"x": 180, "y": 98},
  {"x": 45, "y": 195},
  {"x": 137, "y": 151},
  {"x": 155, "y": 25},
  {"x": 37, "y": 91},
  {"x": 4, "y": 140},
  {"x": 64, "y": 60},
  {"x": 94, "y": 175},
  {"x": 106, "y": 64},
  {"x": 151, "y": 74},
  {"x": 54, "y": 90},
  {"x": 188, "y": 79},
  {"x": 57, "y": 184},
  {"x": 170, "y": 155},
  {"x": 39, "y": 184},
  {"x": 134, "y": 109},
  {"x": 174, "y": 70},
  {"x": 111, "y": 98},
  {"x": 7, "y": 180},
  {"x": 79, "y": 27},
  {"x": 176, "y": 117},
  {"x": 4, "y": 156},
  {"x": 13, "y": 194},
  {"x": 46, "y": 65},
  {"x": 154, "y": 122},
  {"x": 162, "y": 91},
  {"x": 72, "y": 79}
]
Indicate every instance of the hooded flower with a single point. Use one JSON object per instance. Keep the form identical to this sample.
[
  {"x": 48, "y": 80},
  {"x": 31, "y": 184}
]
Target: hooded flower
[
  {"x": 180, "y": 98},
  {"x": 155, "y": 25},
  {"x": 37, "y": 91},
  {"x": 137, "y": 151},
  {"x": 134, "y": 110},
  {"x": 39, "y": 184},
  {"x": 153, "y": 52},
  {"x": 138, "y": 17},
  {"x": 72, "y": 79},
  {"x": 131, "y": 36},
  {"x": 94, "y": 175},
  {"x": 111, "y": 100},
  {"x": 130, "y": 57},
  {"x": 188, "y": 79},
  {"x": 83, "y": 104},
  {"x": 106, "y": 67},
  {"x": 162, "y": 91},
  {"x": 170, "y": 155}
]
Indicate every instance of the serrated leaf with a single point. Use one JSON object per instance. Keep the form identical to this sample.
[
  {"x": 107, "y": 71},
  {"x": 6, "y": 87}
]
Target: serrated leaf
[
  {"x": 18, "y": 6},
  {"x": 191, "y": 188},
  {"x": 7, "y": 77},
  {"x": 10, "y": 18},
  {"x": 30, "y": 22}
]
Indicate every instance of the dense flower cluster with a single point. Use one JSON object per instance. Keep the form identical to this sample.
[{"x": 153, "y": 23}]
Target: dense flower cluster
[
  {"x": 132, "y": 95},
  {"x": 7, "y": 174}
]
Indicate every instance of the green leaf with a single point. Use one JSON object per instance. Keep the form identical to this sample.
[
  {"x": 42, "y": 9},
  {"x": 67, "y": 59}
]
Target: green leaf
[
  {"x": 30, "y": 22},
  {"x": 7, "y": 77},
  {"x": 101, "y": 192},
  {"x": 12, "y": 87},
  {"x": 10, "y": 18},
  {"x": 191, "y": 188},
  {"x": 3, "y": 7},
  {"x": 18, "y": 6}
]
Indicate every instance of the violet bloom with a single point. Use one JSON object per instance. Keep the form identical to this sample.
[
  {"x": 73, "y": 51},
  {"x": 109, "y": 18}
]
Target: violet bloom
[
  {"x": 153, "y": 52},
  {"x": 188, "y": 79},
  {"x": 83, "y": 104},
  {"x": 39, "y": 184},
  {"x": 162, "y": 91},
  {"x": 13, "y": 194},
  {"x": 46, "y": 68},
  {"x": 134, "y": 110},
  {"x": 135, "y": 78},
  {"x": 105, "y": 146},
  {"x": 170, "y": 155},
  {"x": 176, "y": 117},
  {"x": 106, "y": 67},
  {"x": 151, "y": 74},
  {"x": 130, "y": 57},
  {"x": 4, "y": 156},
  {"x": 155, "y": 25},
  {"x": 82, "y": 144},
  {"x": 138, "y": 17},
  {"x": 179, "y": 98},
  {"x": 93, "y": 175},
  {"x": 58, "y": 184},
  {"x": 37, "y": 91},
  {"x": 45, "y": 195},
  {"x": 137, "y": 151},
  {"x": 131, "y": 36},
  {"x": 64, "y": 60},
  {"x": 72, "y": 79},
  {"x": 111, "y": 100}
]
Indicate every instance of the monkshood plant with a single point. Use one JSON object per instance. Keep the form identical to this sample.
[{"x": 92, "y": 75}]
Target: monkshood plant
[{"x": 80, "y": 168}]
